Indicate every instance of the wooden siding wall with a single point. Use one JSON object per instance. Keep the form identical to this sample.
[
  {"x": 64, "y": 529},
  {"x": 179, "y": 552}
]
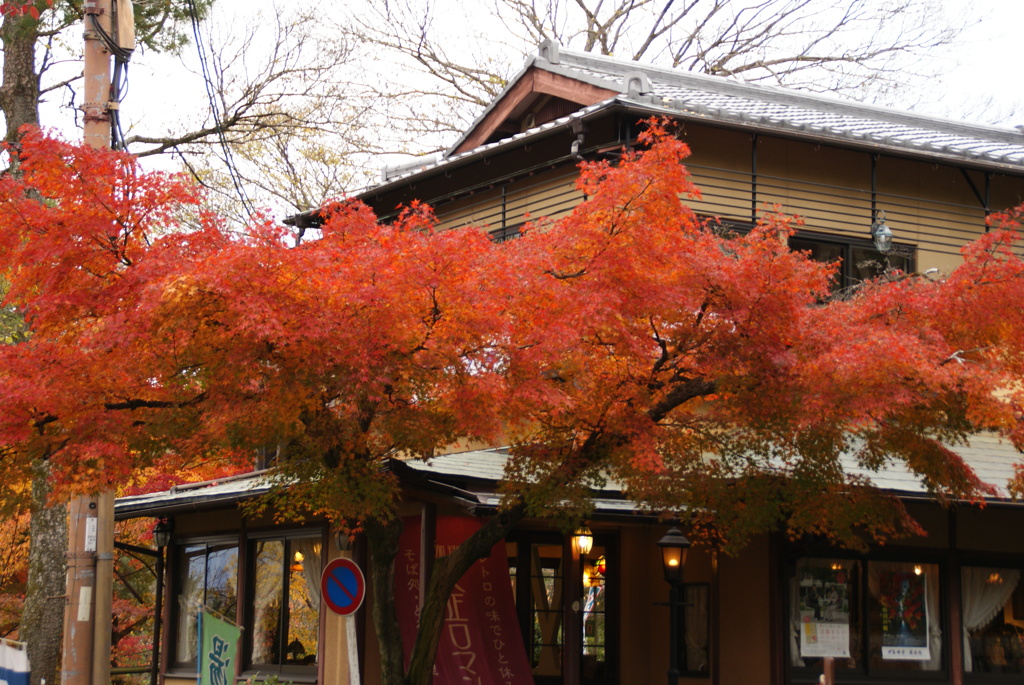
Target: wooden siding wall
[
  {"x": 551, "y": 194},
  {"x": 931, "y": 207}
]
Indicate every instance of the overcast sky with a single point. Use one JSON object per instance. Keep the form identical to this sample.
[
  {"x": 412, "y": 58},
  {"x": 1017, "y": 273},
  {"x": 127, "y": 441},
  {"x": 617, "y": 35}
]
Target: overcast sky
[{"x": 983, "y": 79}]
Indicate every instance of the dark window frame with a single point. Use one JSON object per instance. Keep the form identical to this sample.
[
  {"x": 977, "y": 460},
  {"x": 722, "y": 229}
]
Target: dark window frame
[
  {"x": 243, "y": 541},
  {"x": 613, "y": 589},
  {"x": 864, "y": 673},
  {"x": 179, "y": 567},
  {"x": 248, "y": 618}
]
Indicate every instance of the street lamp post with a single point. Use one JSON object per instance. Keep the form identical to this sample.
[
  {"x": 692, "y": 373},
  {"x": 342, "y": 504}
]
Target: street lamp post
[{"x": 674, "y": 547}]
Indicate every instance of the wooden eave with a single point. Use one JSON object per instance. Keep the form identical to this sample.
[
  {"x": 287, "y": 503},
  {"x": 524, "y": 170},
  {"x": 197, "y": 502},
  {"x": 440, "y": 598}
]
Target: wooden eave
[{"x": 536, "y": 85}]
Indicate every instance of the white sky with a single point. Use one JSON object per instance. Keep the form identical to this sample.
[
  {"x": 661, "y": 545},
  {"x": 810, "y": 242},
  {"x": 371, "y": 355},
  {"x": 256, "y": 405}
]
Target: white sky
[{"x": 985, "y": 76}]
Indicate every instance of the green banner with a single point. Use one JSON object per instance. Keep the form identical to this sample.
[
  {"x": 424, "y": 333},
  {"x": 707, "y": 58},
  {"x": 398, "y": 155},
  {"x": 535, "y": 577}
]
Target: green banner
[{"x": 219, "y": 650}]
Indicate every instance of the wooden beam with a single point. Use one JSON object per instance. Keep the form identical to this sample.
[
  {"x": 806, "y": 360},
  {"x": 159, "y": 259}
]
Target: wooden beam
[{"x": 534, "y": 84}]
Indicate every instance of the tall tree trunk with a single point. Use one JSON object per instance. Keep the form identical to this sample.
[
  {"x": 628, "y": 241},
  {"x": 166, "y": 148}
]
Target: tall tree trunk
[
  {"x": 19, "y": 92},
  {"x": 42, "y": 622},
  {"x": 383, "y": 538}
]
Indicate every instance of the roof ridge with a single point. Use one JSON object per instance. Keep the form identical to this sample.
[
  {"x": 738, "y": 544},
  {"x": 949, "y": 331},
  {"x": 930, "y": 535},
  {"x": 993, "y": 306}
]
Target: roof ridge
[{"x": 723, "y": 85}]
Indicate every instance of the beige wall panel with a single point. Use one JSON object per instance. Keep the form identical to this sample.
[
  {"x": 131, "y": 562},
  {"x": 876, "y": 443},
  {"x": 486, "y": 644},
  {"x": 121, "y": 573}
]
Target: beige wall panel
[
  {"x": 828, "y": 188},
  {"x": 720, "y": 167},
  {"x": 745, "y": 654},
  {"x": 993, "y": 529},
  {"x": 931, "y": 206},
  {"x": 482, "y": 208},
  {"x": 550, "y": 195}
]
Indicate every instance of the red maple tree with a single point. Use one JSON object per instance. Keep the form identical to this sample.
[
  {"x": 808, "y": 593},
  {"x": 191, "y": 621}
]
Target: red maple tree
[
  {"x": 709, "y": 374},
  {"x": 30, "y": 7}
]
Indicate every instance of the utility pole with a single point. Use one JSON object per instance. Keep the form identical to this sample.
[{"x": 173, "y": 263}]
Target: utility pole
[{"x": 89, "y": 611}]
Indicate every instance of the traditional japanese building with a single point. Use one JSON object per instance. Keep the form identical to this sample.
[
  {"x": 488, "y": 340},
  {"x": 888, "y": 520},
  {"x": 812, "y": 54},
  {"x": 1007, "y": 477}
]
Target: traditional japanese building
[{"x": 944, "y": 608}]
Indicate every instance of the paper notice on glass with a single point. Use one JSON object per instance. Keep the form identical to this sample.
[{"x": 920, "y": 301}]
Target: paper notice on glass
[{"x": 824, "y": 604}]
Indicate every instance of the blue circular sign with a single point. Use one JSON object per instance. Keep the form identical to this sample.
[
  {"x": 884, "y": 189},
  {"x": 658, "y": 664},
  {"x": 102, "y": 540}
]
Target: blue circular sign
[{"x": 343, "y": 586}]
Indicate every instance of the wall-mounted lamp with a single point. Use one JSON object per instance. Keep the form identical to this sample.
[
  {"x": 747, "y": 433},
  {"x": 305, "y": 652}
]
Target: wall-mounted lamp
[
  {"x": 582, "y": 541},
  {"x": 162, "y": 531},
  {"x": 881, "y": 234}
]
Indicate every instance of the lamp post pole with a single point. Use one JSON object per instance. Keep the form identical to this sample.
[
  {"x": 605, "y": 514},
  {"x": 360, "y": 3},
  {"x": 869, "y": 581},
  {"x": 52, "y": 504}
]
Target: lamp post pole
[
  {"x": 674, "y": 547},
  {"x": 673, "y": 634}
]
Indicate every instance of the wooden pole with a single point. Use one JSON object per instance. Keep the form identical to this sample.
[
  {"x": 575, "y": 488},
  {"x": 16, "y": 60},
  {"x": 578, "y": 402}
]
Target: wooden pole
[
  {"x": 78, "y": 617},
  {"x": 828, "y": 677},
  {"x": 87, "y": 621}
]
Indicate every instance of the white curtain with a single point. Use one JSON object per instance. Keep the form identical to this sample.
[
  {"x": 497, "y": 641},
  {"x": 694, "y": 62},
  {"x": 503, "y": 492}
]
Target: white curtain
[
  {"x": 696, "y": 628},
  {"x": 985, "y": 592},
  {"x": 311, "y": 567}
]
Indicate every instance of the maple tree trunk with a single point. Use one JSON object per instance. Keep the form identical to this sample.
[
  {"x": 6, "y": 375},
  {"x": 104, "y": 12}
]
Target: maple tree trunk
[
  {"x": 383, "y": 538},
  {"x": 446, "y": 573},
  {"x": 42, "y": 622},
  {"x": 19, "y": 91}
]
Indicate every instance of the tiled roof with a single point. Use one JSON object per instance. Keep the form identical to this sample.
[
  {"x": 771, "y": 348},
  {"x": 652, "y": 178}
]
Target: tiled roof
[
  {"x": 992, "y": 459},
  {"x": 193, "y": 496},
  {"x": 477, "y": 471},
  {"x": 778, "y": 109}
]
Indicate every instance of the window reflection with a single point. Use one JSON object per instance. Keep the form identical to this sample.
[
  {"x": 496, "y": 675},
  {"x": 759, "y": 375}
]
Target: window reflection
[
  {"x": 210, "y": 576},
  {"x": 286, "y": 602}
]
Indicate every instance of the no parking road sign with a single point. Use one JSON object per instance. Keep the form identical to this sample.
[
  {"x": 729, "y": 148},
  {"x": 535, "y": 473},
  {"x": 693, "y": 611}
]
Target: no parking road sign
[{"x": 343, "y": 586}]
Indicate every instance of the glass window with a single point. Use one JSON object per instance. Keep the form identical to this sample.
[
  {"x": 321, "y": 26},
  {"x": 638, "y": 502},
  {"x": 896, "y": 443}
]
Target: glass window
[
  {"x": 858, "y": 261},
  {"x": 871, "y": 617},
  {"x": 993, "y": 619},
  {"x": 825, "y": 617},
  {"x": 595, "y": 614},
  {"x": 545, "y": 649},
  {"x": 538, "y": 564},
  {"x": 285, "y": 618},
  {"x": 209, "y": 576},
  {"x": 695, "y": 652}
]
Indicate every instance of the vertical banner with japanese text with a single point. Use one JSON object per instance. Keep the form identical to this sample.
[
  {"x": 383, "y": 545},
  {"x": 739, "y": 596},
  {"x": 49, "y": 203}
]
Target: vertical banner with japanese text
[
  {"x": 481, "y": 643},
  {"x": 218, "y": 649}
]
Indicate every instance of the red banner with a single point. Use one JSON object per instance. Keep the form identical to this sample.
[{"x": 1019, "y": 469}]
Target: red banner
[{"x": 481, "y": 643}]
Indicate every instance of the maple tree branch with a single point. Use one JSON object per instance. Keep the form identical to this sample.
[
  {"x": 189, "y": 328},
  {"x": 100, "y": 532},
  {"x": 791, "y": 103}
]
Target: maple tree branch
[
  {"x": 132, "y": 405},
  {"x": 680, "y": 394}
]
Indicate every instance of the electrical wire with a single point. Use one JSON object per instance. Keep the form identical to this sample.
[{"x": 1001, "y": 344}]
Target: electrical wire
[
  {"x": 228, "y": 158},
  {"x": 118, "y": 81}
]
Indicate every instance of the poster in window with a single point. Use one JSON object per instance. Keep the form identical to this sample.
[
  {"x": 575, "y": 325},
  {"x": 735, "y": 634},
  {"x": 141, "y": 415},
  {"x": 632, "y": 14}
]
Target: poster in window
[
  {"x": 824, "y": 598},
  {"x": 904, "y": 614}
]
